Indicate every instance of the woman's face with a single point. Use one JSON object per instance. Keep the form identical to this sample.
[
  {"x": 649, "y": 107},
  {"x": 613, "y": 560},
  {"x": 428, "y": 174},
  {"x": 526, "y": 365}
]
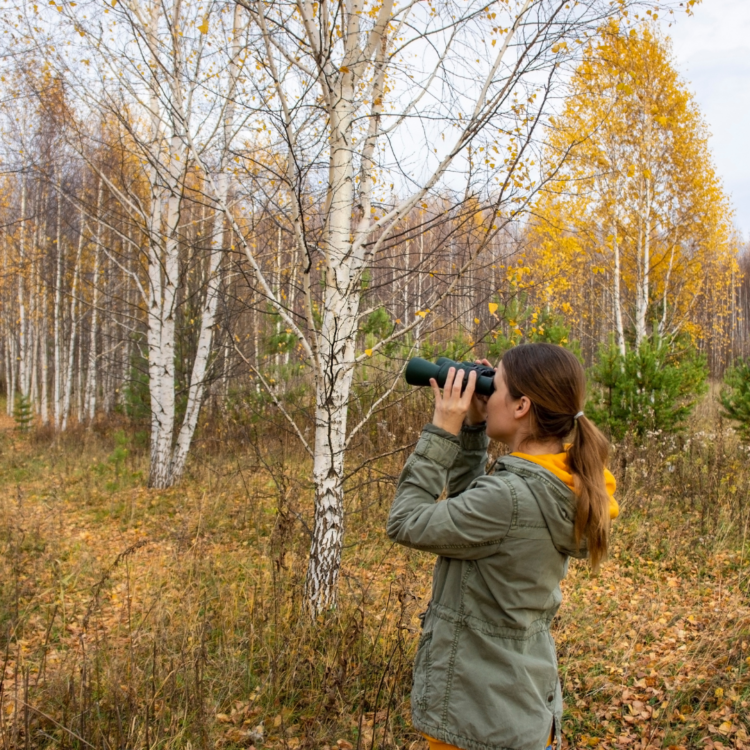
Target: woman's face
[{"x": 504, "y": 413}]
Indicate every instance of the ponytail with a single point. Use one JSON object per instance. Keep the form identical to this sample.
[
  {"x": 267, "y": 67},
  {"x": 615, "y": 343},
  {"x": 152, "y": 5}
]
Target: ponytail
[
  {"x": 554, "y": 381},
  {"x": 587, "y": 457}
]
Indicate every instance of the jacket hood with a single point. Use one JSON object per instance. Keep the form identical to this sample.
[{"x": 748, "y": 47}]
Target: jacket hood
[{"x": 556, "y": 501}]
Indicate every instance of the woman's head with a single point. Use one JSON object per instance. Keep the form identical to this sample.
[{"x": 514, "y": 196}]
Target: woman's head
[{"x": 539, "y": 390}]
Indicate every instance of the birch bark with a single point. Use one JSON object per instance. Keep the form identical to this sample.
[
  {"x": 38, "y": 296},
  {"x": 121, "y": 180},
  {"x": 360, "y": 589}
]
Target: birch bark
[
  {"x": 68, "y": 382},
  {"x": 57, "y": 313},
  {"x": 90, "y": 391},
  {"x": 644, "y": 266}
]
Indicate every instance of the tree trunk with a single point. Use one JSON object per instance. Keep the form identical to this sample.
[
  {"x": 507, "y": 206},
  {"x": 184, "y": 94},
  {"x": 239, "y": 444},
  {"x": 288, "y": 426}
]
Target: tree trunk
[
  {"x": 68, "y": 385},
  {"x": 644, "y": 262},
  {"x": 332, "y": 398},
  {"x": 90, "y": 398},
  {"x": 333, "y": 382},
  {"x": 57, "y": 312},
  {"x": 618, "y": 294},
  {"x": 197, "y": 388}
]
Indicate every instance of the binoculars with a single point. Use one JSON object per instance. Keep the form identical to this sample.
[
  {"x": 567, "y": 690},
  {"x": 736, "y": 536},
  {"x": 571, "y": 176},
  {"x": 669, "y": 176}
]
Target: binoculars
[{"x": 419, "y": 371}]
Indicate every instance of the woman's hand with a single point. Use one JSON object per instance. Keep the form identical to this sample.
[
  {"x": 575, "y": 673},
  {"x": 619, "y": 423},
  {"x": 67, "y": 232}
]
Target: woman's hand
[
  {"x": 478, "y": 409},
  {"x": 451, "y": 406}
]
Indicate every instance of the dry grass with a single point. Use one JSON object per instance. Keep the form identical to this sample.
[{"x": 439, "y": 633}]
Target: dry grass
[{"x": 132, "y": 618}]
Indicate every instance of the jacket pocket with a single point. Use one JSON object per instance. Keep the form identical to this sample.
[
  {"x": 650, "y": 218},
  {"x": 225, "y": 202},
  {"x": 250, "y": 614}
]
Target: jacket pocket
[{"x": 420, "y": 690}]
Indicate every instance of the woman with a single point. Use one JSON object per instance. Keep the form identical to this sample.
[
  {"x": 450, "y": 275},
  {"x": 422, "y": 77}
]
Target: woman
[{"x": 485, "y": 676}]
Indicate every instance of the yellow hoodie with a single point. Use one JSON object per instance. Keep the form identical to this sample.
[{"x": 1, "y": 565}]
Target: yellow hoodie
[{"x": 557, "y": 463}]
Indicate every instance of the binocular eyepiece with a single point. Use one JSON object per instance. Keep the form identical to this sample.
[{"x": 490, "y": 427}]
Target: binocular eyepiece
[{"x": 419, "y": 371}]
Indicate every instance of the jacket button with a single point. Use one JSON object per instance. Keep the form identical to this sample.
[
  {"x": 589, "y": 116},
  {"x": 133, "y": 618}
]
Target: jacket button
[{"x": 550, "y": 698}]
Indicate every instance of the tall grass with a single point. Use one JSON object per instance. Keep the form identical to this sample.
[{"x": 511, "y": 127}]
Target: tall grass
[{"x": 132, "y": 618}]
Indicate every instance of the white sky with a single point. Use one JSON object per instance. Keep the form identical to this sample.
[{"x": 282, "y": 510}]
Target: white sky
[{"x": 712, "y": 51}]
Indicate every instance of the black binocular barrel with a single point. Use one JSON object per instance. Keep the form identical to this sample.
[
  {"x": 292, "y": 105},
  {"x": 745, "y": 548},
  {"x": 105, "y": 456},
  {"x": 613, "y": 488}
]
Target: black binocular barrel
[{"x": 419, "y": 371}]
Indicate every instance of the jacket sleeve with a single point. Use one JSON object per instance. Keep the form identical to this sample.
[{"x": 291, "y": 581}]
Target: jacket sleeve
[
  {"x": 472, "y": 460},
  {"x": 470, "y": 524}
]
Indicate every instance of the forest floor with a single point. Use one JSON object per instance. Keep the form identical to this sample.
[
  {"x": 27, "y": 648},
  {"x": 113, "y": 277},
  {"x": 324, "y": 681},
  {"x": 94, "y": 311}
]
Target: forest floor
[{"x": 134, "y": 618}]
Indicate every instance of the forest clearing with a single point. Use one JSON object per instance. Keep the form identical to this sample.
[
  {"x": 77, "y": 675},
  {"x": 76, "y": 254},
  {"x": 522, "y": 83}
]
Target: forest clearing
[
  {"x": 172, "y": 618},
  {"x": 226, "y": 228}
]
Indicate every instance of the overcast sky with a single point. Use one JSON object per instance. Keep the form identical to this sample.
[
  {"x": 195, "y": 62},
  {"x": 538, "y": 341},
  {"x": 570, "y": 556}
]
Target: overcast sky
[{"x": 712, "y": 51}]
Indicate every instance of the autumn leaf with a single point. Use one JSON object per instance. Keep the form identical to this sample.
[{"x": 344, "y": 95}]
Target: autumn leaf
[{"x": 203, "y": 28}]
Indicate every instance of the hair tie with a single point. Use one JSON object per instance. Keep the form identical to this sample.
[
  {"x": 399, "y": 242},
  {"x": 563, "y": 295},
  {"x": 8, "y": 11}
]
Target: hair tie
[{"x": 580, "y": 414}]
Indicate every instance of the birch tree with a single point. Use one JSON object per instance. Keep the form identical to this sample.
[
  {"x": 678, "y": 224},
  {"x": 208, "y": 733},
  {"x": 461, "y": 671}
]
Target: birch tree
[
  {"x": 366, "y": 101},
  {"x": 150, "y": 67},
  {"x": 638, "y": 204}
]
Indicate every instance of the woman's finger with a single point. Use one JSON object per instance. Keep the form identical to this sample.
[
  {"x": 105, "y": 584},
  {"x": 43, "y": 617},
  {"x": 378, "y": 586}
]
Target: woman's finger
[
  {"x": 469, "y": 392},
  {"x": 457, "y": 383},
  {"x": 435, "y": 389},
  {"x": 449, "y": 378}
]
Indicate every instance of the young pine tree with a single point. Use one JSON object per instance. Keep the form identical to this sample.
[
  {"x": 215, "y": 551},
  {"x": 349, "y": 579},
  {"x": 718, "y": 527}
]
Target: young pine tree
[
  {"x": 23, "y": 413},
  {"x": 735, "y": 396},
  {"x": 651, "y": 388}
]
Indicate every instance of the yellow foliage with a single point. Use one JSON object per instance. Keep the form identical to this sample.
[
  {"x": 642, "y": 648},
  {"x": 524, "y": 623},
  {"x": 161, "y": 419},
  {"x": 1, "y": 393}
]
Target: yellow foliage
[{"x": 638, "y": 201}]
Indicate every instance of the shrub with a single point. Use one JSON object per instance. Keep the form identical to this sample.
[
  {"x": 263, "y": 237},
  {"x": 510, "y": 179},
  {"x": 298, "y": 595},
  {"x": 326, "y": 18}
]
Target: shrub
[
  {"x": 136, "y": 401},
  {"x": 651, "y": 388},
  {"x": 735, "y": 396}
]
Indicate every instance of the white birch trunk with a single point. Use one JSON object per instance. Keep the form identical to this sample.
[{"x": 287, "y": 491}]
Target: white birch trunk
[
  {"x": 23, "y": 353},
  {"x": 24, "y": 348},
  {"x": 617, "y": 294},
  {"x": 197, "y": 388},
  {"x": 644, "y": 263},
  {"x": 68, "y": 383},
  {"x": 57, "y": 313},
  {"x": 163, "y": 273},
  {"x": 90, "y": 398},
  {"x": 44, "y": 365},
  {"x": 11, "y": 339},
  {"x": 337, "y": 344},
  {"x": 665, "y": 296}
]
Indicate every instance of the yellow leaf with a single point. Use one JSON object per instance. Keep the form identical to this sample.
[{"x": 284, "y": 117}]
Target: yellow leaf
[
  {"x": 368, "y": 352},
  {"x": 725, "y": 727},
  {"x": 203, "y": 28},
  {"x": 493, "y": 307},
  {"x": 719, "y": 693},
  {"x": 476, "y": 321},
  {"x": 344, "y": 69}
]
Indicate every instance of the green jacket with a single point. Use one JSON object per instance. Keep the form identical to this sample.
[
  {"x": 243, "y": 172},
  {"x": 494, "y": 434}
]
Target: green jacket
[{"x": 485, "y": 675}]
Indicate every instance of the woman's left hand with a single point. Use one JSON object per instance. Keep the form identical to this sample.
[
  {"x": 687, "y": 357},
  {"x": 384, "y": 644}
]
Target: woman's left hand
[{"x": 451, "y": 406}]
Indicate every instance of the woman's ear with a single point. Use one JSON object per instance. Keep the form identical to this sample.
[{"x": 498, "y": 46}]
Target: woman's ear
[{"x": 523, "y": 406}]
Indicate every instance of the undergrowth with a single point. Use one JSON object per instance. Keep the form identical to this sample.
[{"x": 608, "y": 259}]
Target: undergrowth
[{"x": 134, "y": 618}]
